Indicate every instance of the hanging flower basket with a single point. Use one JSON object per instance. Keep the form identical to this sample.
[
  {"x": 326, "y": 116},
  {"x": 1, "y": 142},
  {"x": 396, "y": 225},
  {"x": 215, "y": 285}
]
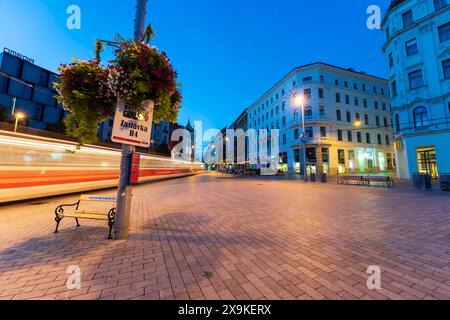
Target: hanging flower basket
[
  {"x": 84, "y": 91},
  {"x": 139, "y": 73}
]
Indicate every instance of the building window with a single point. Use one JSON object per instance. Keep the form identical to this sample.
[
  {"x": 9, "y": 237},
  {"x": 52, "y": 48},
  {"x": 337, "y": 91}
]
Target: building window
[
  {"x": 377, "y": 121},
  {"x": 446, "y": 68},
  {"x": 355, "y": 86},
  {"x": 338, "y": 97},
  {"x": 439, "y": 4},
  {"x": 307, "y": 79},
  {"x": 359, "y": 137},
  {"x": 376, "y": 105},
  {"x": 294, "y": 83},
  {"x": 385, "y": 122},
  {"x": 339, "y": 133},
  {"x": 394, "y": 88},
  {"x": 346, "y": 84},
  {"x": 379, "y": 139},
  {"x": 407, "y": 18},
  {"x": 323, "y": 132},
  {"x": 321, "y": 96},
  {"x": 366, "y": 119},
  {"x": 296, "y": 136},
  {"x": 368, "y": 137},
  {"x": 420, "y": 115},
  {"x": 356, "y": 101},
  {"x": 444, "y": 32},
  {"x": 39, "y": 112},
  {"x": 411, "y": 47},
  {"x": 349, "y": 116},
  {"x": 322, "y": 78},
  {"x": 363, "y": 87},
  {"x": 284, "y": 138},
  {"x": 336, "y": 82},
  {"x": 341, "y": 157},
  {"x": 388, "y": 140},
  {"x": 350, "y": 136},
  {"x": 347, "y": 99},
  {"x": 309, "y": 132},
  {"x": 338, "y": 115},
  {"x": 357, "y": 116},
  {"x": 382, "y": 91},
  {"x": 384, "y": 106},
  {"x": 284, "y": 121},
  {"x": 308, "y": 111},
  {"x": 322, "y": 111},
  {"x": 365, "y": 103},
  {"x": 397, "y": 123},
  {"x": 415, "y": 79},
  {"x": 391, "y": 60},
  {"x": 307, "y": 93}
]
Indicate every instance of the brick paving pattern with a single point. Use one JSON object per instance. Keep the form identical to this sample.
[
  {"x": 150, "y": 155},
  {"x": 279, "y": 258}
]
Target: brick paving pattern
[{"x": 209, "y": 237}]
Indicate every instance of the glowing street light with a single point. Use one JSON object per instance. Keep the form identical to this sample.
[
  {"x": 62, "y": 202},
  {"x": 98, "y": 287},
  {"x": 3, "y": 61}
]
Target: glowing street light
[
  {"x": 299, "y": 102},
  {"x": 358, "y": 123},
  {"x": 19, "y": 116}
]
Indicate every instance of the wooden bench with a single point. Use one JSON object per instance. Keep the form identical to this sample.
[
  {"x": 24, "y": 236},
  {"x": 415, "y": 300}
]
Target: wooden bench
[
  {"x": 366, "y": 180},
  {"x": 78, "y": 213}
]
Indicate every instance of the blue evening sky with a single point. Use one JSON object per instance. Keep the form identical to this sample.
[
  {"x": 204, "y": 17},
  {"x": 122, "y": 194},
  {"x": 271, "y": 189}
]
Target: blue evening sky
[{"x": 227, "y": 52}]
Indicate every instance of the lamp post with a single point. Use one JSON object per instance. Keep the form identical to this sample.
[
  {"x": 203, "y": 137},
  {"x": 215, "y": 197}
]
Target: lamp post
[
  {"x": 19, "y": 116},
  {"x": 124, "y": 190},
  {"x": 299, "y": 101}
]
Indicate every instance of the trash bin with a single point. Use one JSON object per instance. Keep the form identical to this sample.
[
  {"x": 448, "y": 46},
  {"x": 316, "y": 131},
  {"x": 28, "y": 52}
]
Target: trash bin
[
  {"x": 313, "y": 177},
  {"x": 418, "y": 181},
  {"x": 444, "y": 181},
  {"x": 323, "y": 178},
  {"x": 427, "y": 179}
]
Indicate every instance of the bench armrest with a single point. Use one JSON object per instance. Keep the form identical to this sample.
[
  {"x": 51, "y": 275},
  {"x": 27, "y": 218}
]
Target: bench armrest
[{"x": 60, "y": 209}]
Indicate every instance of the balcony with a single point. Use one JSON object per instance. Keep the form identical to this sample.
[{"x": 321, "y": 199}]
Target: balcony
[
  {"x": 431, "y": 125},
  {"x": 295, "y": 122}
]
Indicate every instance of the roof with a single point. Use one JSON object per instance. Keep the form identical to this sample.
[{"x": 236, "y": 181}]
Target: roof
[
  {"x": 394, "y": 4},
  {"x": 351, "y": 70}
]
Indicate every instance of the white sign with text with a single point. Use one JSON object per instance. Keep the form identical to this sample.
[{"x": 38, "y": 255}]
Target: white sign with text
[{"x": 133, "y": 127}]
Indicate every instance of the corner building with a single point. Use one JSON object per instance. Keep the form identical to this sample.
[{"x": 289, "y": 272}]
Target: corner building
[{"x": 347, "y": 120}]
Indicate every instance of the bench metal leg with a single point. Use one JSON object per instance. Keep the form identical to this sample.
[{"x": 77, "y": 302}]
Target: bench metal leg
[
  {"x": 58, "y": 220},
  {"x": 110, "y": 224},
  {"x": 78, "y": 224}
]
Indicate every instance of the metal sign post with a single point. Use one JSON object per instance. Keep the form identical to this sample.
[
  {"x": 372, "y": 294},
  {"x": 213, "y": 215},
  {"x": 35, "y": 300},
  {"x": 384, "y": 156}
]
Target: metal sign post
[{"x": 124, "y": 190}]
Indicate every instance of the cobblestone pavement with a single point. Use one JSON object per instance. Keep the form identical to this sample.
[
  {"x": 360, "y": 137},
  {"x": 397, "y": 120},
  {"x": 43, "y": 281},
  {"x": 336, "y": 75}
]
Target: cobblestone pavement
[{"x": 209, "y": 237}]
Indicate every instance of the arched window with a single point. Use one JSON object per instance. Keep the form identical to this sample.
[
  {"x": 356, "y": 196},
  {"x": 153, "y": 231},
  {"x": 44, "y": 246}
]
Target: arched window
[
  {"x": 397, "y": 123},
  {"x": 308, "y": 111},
  {"x": 420, "y": 115}
]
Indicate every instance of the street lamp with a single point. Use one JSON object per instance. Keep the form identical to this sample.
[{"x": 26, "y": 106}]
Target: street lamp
[
  {"x": 299, "y": 101},
  {"x": 358, "y": 123},
  {"x": 19, "y": 116}
]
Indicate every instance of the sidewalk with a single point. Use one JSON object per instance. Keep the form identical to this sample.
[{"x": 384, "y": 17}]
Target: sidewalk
[{"x": 207, "y": 237}]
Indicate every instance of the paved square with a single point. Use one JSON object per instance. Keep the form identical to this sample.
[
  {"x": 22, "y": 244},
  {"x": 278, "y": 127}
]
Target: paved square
[{"x": 209, "y": 237}]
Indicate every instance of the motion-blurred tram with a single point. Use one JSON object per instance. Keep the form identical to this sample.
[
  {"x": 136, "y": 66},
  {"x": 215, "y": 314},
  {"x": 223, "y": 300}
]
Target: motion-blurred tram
[{"x": 34, "y": 167}]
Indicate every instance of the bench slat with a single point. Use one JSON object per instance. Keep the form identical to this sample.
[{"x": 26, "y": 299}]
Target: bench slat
[
  {"x": 99, "y": 213},
  {"x": 86, "y": 216}
]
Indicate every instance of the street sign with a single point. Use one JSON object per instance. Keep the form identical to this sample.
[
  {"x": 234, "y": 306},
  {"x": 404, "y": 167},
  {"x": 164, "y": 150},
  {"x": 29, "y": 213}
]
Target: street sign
[{"x": 132, "y": 127}]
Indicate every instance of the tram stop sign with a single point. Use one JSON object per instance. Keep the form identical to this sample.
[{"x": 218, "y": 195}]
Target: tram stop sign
[{"x": 133, "y": 127}]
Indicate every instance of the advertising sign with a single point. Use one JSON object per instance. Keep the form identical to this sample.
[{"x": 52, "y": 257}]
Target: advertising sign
[{"x": 133, "y": 127}]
